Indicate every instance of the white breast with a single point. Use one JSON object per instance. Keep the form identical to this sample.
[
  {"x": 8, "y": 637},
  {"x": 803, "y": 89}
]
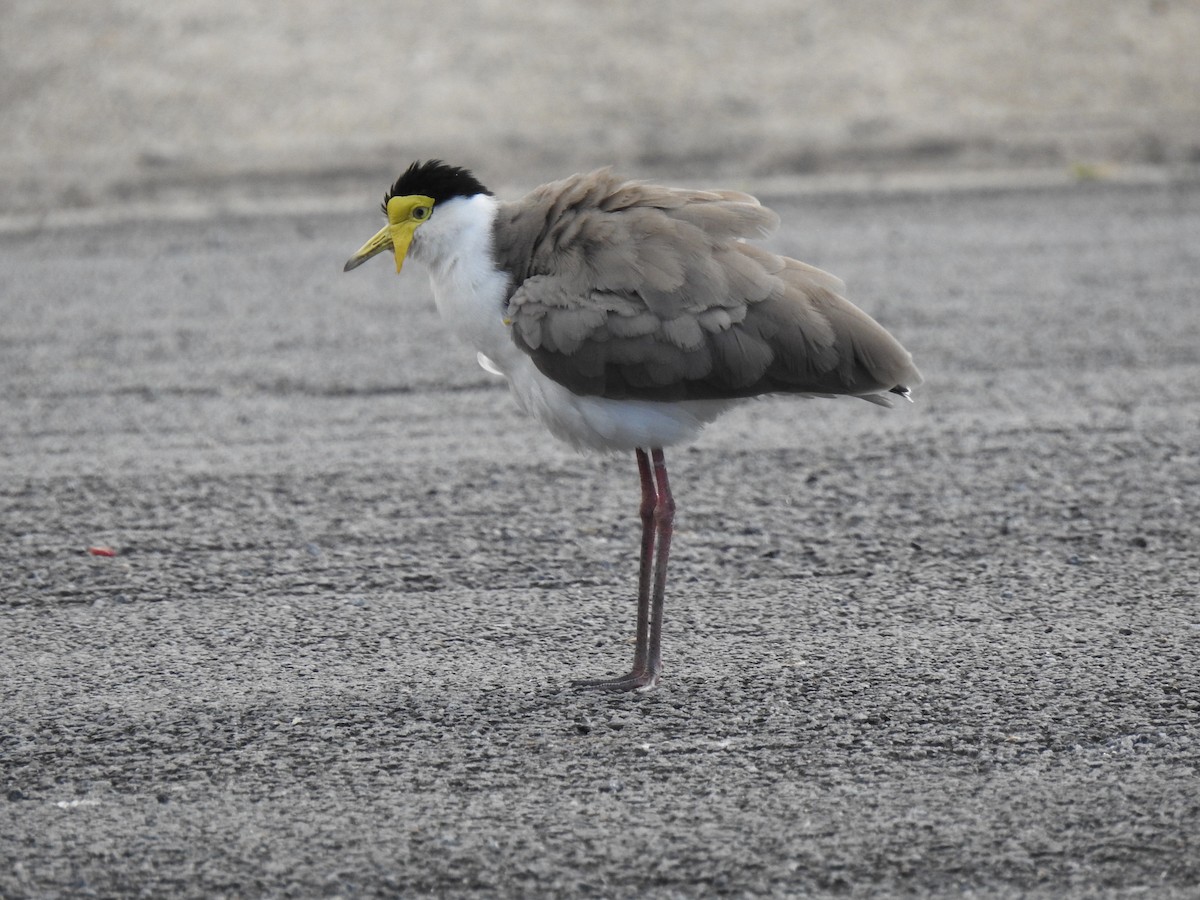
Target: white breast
[{"x": 456, "y": 246}]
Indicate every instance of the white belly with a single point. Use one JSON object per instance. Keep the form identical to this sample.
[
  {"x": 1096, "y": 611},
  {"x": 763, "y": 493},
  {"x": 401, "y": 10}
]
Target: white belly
[{"x": 596, "y": 423}]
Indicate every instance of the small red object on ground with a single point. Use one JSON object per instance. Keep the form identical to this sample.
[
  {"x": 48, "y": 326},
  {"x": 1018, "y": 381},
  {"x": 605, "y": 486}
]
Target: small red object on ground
[{"x": 102, "y": 551}]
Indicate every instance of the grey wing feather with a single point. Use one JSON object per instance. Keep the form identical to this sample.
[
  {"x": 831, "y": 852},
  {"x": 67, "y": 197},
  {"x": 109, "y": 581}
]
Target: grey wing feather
[{"x": 634, "y": 291}]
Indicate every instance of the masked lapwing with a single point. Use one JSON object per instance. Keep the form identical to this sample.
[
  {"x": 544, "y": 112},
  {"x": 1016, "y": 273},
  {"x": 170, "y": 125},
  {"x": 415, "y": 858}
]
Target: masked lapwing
[{"x": 626, "y": 316}]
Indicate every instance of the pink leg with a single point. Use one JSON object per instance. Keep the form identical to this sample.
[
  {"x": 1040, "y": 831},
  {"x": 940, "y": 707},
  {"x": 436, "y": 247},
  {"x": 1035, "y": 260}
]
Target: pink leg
[
  {"x": 645, "y": 567},
  {"x": 664, "y": 521},
  {"x": 657, "y": 513}
]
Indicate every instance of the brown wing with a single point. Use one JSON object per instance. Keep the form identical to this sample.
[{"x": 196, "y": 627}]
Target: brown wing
[{"x": 634, "y": 291}]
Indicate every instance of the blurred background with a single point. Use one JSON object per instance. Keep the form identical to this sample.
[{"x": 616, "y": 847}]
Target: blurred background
[{"x": 134, "y": 101}]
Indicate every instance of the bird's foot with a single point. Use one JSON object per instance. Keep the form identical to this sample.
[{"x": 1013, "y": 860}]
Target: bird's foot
[{"x": 634, "y": 681}]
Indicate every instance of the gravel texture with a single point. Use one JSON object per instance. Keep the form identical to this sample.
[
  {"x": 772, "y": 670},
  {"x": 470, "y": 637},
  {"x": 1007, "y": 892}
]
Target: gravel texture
[{"x": 949, "y": 649}]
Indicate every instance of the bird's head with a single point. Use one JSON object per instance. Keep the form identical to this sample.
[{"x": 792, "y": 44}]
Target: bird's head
[{"x": 411, "y": 202}]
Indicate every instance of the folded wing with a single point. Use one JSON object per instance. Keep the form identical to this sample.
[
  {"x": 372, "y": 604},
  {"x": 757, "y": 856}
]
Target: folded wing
[{"x": 632, "y": 291}]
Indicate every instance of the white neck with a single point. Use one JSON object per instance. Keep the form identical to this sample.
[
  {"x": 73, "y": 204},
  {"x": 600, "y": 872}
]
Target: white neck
[{"x": 456, "y": 245}]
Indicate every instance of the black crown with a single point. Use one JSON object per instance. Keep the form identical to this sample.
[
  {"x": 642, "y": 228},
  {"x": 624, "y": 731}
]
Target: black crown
[{"x": 435, "y": 179}]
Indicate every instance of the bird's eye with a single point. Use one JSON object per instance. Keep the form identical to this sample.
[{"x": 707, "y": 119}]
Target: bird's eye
[{"x": 420, "y": 213}]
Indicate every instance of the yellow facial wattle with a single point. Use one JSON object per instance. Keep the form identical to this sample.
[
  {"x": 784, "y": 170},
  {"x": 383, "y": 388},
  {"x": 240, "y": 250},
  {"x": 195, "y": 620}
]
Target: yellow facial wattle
[{"x": 405, "y": 215}]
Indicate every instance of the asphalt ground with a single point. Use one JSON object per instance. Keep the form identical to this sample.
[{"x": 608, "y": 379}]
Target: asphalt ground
[{"x": 945, "y": 650}]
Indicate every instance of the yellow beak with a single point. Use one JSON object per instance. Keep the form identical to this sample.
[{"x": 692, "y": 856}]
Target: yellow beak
[
  {"x": 397, "y": 234},
  {"x": 380, "y": 242}
]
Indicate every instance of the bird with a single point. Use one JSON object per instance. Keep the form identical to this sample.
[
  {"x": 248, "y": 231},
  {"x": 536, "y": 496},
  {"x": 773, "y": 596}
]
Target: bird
[{"x": 627, "y": 316}]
